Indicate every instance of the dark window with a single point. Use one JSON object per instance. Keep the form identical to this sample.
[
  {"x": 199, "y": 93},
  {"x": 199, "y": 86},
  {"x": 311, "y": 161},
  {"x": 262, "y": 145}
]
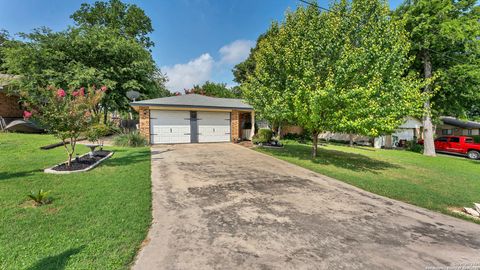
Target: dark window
[
  {"x": 468, "y": 140},
  {"x": 469, "y": 132},
  {"x": 447, "y": 131},
  {"x": 455, "y": 139},
  {"x": 442, "y": 139}
]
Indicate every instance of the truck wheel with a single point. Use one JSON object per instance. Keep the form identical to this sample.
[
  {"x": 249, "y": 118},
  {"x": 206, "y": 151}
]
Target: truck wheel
[{"x": 473, "y": 154}]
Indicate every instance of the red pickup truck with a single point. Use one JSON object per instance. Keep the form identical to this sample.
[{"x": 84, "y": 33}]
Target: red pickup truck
[{"x": 458, "y": 145}]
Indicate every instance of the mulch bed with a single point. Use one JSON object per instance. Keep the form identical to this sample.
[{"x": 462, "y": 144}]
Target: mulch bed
[{"x": 83, "y": 162}]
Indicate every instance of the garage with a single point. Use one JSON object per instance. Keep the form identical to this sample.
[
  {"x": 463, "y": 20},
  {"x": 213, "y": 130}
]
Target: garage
[{"x": 194, "y": 119}]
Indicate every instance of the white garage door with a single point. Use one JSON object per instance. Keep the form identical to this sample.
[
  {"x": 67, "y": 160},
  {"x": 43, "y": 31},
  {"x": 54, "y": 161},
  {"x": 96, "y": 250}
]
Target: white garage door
[
  {"x": 213, "y": 126},
  {"x": 170, "y": 126}
]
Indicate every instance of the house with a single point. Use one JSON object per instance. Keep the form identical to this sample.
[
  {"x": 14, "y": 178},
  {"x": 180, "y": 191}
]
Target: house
[
  {"x": 10, "y": 106},
  {"x": 454, "y": 126},
  {"x": 194, "y": 119},
  {"x": 410, "y": 130}
]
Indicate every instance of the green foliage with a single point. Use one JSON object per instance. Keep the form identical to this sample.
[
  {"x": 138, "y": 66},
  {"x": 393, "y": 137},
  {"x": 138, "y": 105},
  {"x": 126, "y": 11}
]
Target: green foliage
[
  {"x": 414, "y": 147},
  {"x": 264, "y": 135},
  {"x": 96, "y": 131},
  {"x": 131, "y": 139},
  {"x": 340, "y": 71},
  {"x": 212, "y": 89},
  {"x": 127, "y": 19},
  {"x": 447, "y": 33},
  {"x": 476, "y": 138},
  {"x": 65, "y": 114},
  {"x": 40, "y": 197},
  {"x": 85, "y": 56}
]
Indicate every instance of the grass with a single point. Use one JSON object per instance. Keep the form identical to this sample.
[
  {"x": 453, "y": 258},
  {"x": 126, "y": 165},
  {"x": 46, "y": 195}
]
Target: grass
[
  {"x": 434, "y": 183},
  {"x": 97, "y": 219}
]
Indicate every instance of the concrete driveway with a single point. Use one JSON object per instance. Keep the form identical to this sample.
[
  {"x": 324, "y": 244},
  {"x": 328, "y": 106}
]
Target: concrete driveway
[{"x": 222, "y": 206}]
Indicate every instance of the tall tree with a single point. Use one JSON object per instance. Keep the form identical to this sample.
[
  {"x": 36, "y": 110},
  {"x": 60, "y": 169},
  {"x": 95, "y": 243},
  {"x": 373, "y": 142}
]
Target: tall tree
[
  {"x": 446, "y": 48},
  {"x": 335, "y": 71},
  {"x": 213, "y": 90},
  {"x": 128, "y": 20},
  {"x": 85, "y": 56}
]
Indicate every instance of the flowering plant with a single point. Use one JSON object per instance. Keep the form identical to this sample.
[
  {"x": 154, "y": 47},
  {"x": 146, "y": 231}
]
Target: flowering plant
[{"x": 66, "y": 114}]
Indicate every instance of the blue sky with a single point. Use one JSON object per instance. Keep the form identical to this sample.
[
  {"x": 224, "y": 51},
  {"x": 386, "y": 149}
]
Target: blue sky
[{"x": 195, "y": 40}]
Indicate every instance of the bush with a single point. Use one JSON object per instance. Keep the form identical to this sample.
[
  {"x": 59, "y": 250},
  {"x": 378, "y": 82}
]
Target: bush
[
  {"x": 476, "y": 138},
  {"x": 40, "y": 198},
  {"x": 414, "y": 146},
  {"x": 264, "y": 135},
  {"x": 132, "y": 139},
  {"x": 97, "y": 131},
  {"x": 301, "y": 138}
]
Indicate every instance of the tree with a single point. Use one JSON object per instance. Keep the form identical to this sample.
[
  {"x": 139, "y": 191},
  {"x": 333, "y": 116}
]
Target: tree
[
  {"x": 334, "y": 71},
  {"x": 265, "y": 86},
  {"x": 242, "y": 70},
  {"x": 373, "y": 95},
  {"x": 4, "y": 37},
  {"x": 65, "y": 114},
  {"x": 212, "y": 89},
  {"x": 128, "y": 20},
  {"x": 446, "y": 48},
  {"x": 85, "y": 56}
]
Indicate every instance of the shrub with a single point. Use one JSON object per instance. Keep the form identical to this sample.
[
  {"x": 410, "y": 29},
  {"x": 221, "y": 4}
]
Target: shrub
[
  {"x": 97, "y": 131},
  {"x": 132, "y": 139},
  {"x": 476, "y": 138},
  {"x": 264, "y": 135},
  {"x": 414, "y": 146},
  {"x": 40, "y": 198}
]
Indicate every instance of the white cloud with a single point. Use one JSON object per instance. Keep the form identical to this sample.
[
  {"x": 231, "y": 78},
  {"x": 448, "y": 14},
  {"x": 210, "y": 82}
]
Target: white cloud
[
  {"x": 236, "y": 51},
  {"x": 204, "y": 68},
  {"x": 184, "y": 76}
]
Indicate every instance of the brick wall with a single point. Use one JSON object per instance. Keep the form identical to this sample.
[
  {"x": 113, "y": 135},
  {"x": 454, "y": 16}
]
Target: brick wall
[
  {"x": 9, "y": 106},
  {"x": 144, "y": 114},
  {"x": 235, "y": 125}
]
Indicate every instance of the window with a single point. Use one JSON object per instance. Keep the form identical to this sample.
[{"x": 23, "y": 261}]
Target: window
[
  {"x": 447, "y": 131},
  {"x": 469, "y": 132},
  {"x": 455, "y": 139},
  {"x": 442, "y": 139},
  {"x": 468, "y": 140}
]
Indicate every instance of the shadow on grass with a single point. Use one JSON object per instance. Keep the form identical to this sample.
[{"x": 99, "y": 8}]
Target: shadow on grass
[
  {"x": 56, "y": 262},
  {"x": 127, "y": 159},
  {"x": 345, "y": 160},
  {"x": 10, "y": 175}
]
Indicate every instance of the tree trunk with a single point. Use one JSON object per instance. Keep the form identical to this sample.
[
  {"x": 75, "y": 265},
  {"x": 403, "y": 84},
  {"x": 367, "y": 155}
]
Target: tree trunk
[
  {"x": 428, "y": 132},
  {"x": 315, "y": 144},
  {"x": 105, "y": 115},
  {"x": 350, "y": 136},
  {"x": 279, "y": 130}
]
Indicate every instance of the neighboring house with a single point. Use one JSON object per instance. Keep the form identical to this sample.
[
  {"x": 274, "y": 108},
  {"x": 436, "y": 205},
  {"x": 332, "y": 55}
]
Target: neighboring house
[
  {"x": 456, "y": 127},
  {"x": 410, "y": 130},
  {"x": 194, "y": 119},
  {"x": 10, "y": 106}
]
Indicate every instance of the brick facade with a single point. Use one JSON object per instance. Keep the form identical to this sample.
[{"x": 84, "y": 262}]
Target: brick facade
[
  {"x": 9, "y": 107},
  {"x": 235, "y": 125},
  {"x": 144, "y": 115}
]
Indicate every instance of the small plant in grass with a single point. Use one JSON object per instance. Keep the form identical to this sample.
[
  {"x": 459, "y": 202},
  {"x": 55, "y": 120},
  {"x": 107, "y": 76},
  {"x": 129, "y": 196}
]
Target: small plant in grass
[
  {"x": 131, "y": 139},
  {"x": 97, "y": 131},
  {"x": 414, "y": 147},
  {"x": 40, "y": 197}
]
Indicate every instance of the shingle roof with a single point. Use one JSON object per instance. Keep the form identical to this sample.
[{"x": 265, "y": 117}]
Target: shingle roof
[
  {"x": 195, "y": 101},
  {"x": 459, "y": 123}
]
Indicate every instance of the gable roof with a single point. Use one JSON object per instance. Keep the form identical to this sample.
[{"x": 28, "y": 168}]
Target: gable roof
[
  {"x": 459, "y": 123},
  {"x": 195, "y": 101}
]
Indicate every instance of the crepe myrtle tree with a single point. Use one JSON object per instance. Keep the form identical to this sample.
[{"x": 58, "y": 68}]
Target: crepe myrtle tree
[{"x": 65, "y": 114}]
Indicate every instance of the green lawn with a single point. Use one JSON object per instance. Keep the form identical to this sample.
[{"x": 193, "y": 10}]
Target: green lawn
[
  {"x": 434, "y": 183},
  {"x": 97, "y": 220}
]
